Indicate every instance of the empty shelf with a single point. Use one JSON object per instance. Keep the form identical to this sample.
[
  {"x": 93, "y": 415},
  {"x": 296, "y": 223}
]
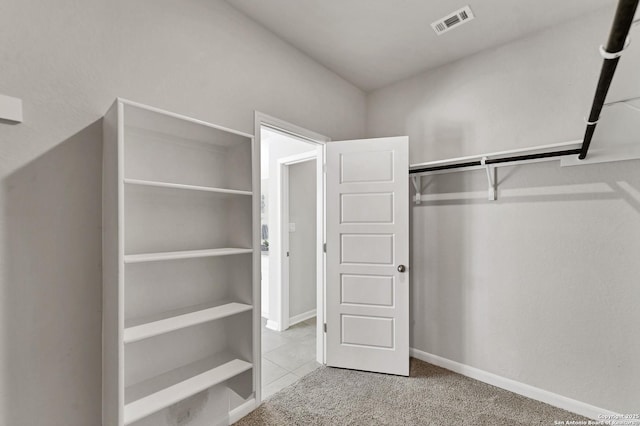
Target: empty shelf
[
  {"x": 153, "y": 395},
  {"x": 187, "y": 187},
  {"x": 175, "y": 320},
  {"x": 188, "y": 254}
]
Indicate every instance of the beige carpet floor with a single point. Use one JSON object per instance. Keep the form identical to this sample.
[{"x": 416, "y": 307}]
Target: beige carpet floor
[{"x": 430, "y": 396}]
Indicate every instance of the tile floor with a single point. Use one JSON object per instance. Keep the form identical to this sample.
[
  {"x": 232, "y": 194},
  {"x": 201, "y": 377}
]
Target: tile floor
[{"x": 287, "y": 355}]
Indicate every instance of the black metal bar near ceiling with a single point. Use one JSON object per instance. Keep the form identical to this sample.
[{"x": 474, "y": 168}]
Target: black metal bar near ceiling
[{"x": 615, "y": 45}]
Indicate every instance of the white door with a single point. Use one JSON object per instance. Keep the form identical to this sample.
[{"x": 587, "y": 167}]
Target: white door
[{"x": 367, "y": 281}]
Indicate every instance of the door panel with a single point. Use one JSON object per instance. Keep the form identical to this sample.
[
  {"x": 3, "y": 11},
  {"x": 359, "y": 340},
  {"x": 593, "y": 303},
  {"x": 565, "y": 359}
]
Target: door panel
[
  {"x": 367, "y": 214},
  {"x": 367, "y": 290},
  {"x": 368, "y": 166},
  {"x": 367, "y": 208},
  {"x": 367, "y": 331},
  {"x": 367, "y": 249}
]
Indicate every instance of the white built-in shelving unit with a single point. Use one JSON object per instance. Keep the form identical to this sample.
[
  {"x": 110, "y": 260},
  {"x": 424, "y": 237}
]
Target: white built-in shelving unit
[{"x": 180, "y": 231}]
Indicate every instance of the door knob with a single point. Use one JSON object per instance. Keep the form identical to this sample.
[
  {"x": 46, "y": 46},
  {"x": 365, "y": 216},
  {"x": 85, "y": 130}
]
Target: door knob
[{"x": 402, "y": 268}]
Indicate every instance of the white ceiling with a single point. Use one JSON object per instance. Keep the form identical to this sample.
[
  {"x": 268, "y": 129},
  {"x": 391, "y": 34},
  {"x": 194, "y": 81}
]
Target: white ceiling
[{"x": 373, "y": 43}]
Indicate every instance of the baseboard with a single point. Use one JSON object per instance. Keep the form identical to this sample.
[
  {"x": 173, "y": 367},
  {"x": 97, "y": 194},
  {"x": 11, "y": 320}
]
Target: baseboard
[
  {"x": 532, "y": 392},
  {"x": 302, "y": 317},
  {"x": 273, "y": 325},
  {"x": 241, "y": 411}
]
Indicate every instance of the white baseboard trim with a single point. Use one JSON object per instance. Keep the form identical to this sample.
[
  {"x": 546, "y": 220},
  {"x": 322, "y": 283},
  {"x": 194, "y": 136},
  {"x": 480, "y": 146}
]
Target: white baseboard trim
[
  {"x": 273, "y": 325},
  {"x": 303, "y": 316},
  {"x": 523, "y": 389},
  {"x": 241, "y": 411}
]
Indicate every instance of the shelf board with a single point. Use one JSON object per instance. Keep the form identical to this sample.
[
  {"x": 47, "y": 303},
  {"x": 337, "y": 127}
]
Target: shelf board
[
  {"x": 175, "y": 320},
  {"x": 186, "y": 187},
  {"x": 187, "y": 254},
  {"x": 153, "y": 395}
]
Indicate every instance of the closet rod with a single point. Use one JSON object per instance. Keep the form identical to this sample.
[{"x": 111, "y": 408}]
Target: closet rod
[
  {"x": 615, "y": 45},
  {"x": 496, "y": 160},
  {"x": 617, "y": 38}
]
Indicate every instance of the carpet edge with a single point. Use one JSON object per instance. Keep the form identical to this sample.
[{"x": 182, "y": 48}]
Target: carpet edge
[{"x": 532, "y": 392}]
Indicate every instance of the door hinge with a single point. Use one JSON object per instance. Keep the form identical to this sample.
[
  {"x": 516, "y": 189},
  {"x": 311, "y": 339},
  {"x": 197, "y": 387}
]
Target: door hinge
[
  {"x": 287, "y": 254},
  {"x": 325, "y": 327},
  {"x": 324, "y": 247}
]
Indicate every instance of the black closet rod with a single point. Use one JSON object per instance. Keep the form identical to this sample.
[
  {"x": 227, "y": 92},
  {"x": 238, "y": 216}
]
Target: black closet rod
[
  {"x": 496, "y": 160},
  {"x": 615, "y": 45},
  {"x": 620, "y": 29}
]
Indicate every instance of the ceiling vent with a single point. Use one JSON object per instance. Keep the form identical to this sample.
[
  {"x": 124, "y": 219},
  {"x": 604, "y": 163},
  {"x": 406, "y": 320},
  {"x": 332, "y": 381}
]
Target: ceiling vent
[{"x": 453, "y": 20}]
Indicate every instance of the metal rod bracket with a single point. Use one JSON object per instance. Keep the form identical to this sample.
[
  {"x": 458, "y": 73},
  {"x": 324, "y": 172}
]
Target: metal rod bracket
[
  {"x": 491, "y": 179},
  {"x": 614, "y": 55},
  {"x": 417, "y": 185}
]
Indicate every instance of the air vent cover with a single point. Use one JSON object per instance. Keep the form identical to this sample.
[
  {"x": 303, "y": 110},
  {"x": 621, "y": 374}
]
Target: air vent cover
[{"x": 453, "y": 20}]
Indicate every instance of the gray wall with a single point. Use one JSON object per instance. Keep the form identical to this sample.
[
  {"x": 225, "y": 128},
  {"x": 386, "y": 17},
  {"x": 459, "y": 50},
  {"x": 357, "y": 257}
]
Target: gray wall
[
  {"x": 302, "y": 242},
  {"x": 540, "y": 286},
  {"x": 68, "y": 60}
]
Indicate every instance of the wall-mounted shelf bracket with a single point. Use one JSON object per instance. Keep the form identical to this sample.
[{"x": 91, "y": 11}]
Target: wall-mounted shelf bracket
[
  {"x": 490, "y": 162},
  {"x": 491, "y": 179},
  {"x": 417, "y": 185}
]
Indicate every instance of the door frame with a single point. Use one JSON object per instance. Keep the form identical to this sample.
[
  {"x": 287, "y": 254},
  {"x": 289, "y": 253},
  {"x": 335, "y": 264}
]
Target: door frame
[
  {"x": 260, "y": 120},
  {"x": 282, "y": 215}
]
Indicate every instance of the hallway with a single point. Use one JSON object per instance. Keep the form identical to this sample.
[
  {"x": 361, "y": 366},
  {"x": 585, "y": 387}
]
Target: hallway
[{"x": 287, "y": 356}]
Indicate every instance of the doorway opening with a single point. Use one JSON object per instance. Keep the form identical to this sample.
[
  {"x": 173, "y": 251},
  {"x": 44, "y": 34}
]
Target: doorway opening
[{"x": 292, "y": 258}]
